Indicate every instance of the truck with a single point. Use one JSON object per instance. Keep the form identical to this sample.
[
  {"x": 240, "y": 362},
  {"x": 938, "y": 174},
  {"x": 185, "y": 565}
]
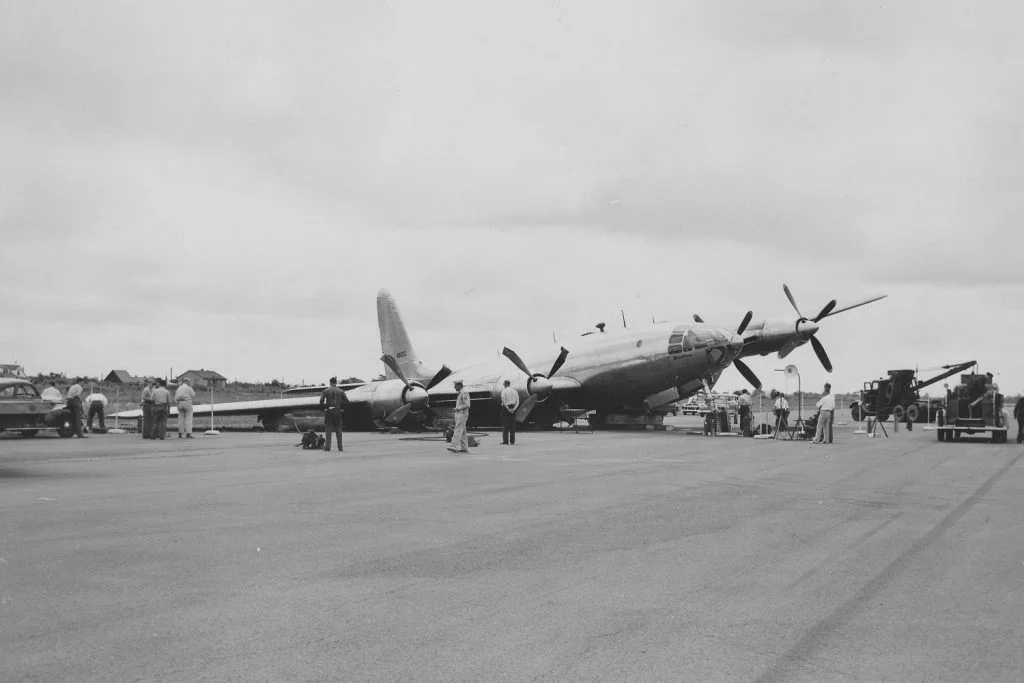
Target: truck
[
  {"x": 973, "y": 407},
  {"x": 899, "y": 395}
]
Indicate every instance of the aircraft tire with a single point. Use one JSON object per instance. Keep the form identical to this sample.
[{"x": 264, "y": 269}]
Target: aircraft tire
[{"x": 856, "y": 412}]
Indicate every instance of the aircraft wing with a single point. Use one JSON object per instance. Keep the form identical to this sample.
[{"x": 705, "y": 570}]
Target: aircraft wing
[{"x": 242, "y": 407}]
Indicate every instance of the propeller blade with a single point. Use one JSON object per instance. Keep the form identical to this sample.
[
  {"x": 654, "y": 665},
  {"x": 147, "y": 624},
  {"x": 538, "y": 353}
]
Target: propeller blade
[
  {"x": 524, "y": 409},
  {"x": 745, "y": 322},
  {"x": 436, "y": 379},
  {"x": 390, "y": 361},
  {"x": 516, "y": 360},
  {"x": 792, "y": 301},
  {"x": 747, "y": 373},
  {"x": 825, "y": 311},
  {"x": 859, "y": 303},
  {"x": 559, "y": 361},
  {"x": 697, "y": 318},
  {"x": 822, "y": 356},
  {"x": 398, "y": 415}
]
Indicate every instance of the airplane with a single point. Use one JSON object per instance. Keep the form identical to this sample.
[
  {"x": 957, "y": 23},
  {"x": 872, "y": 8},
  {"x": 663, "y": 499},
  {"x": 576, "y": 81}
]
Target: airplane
[
  {"x": 783, "y": 336},
  {"x": 632, "y": 370}
]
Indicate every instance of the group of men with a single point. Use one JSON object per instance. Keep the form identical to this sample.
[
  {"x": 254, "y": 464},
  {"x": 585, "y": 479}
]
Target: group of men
[
  {"x": 333, "y": 401},
  {"x": 77, "y": 403},
  {"x": 826, "y": 406},
  {"x": 156, "y": 408}
]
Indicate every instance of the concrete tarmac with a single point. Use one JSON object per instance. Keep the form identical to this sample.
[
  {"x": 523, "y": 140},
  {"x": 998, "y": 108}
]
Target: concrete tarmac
[{"x": 611, "y": 556}]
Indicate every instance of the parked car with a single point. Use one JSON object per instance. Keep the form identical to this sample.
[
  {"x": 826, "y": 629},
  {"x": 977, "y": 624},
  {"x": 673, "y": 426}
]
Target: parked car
[{"x": 24, "y": 411}]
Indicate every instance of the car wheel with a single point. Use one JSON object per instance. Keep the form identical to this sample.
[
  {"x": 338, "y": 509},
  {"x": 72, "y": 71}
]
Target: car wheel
[{"x": 66, "y": 429}]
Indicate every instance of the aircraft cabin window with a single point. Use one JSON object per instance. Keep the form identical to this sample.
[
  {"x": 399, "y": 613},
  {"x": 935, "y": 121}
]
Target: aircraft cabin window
[
  {"x": 675, "y": 348},
  {"x": 675, "y": 339}
]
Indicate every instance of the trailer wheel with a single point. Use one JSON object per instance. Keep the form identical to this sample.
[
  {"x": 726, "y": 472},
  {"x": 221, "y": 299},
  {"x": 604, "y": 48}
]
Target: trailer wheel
[
  {"x": 897, "y": 413},
  {"x": 856, "y": 411},
  {"x": 912, "y": 413}
]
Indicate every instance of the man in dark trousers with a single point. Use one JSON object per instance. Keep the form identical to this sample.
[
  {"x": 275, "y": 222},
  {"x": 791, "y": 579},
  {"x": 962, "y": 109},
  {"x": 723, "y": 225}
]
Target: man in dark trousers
[
  {"x": 1018, "y": 415},
  {"x": 162, "y": 400},
  {"x": 147, "y": 410},
  {"x": 331, "y": 401},
  {"x": 509, "y": 404},
  {"x": 74, "y": 404}
]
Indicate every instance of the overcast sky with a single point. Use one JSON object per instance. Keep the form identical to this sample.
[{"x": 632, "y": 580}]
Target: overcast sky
[{"x": 226, "y": 185}]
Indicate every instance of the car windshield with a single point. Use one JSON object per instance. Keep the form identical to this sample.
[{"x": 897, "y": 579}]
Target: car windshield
[{"x": 14, "y": 392}]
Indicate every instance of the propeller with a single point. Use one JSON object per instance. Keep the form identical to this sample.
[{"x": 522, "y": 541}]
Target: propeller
[
  {"x": 538, "y": 386},
  {"x": 747, "y": 373},
  {"x": 806, "y": 328},
  {"x": 414, "y": 395}
]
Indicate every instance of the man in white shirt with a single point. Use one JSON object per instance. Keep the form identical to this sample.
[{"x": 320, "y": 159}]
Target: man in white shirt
[
  {"x": 183, "y": 397},
  {"x": 52, "y": 393},
  {"x": 509, "y": 404},
  {"x": 744, "y": 410},
  {"x": 97, "y": 404},
  {"x": 460, "y": 442},
  {"x": 161, "y": 409},
  {"x": 826, "y": 410},
  {"x": 781, "y": 413}
]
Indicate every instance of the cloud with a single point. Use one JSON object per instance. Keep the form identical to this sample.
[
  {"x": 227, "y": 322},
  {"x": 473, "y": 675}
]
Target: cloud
[{"x": 228, "y": 185}]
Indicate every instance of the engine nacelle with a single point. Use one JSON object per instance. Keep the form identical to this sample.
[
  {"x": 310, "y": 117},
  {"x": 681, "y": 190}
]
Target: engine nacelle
[{"x": 391, "y": 395}]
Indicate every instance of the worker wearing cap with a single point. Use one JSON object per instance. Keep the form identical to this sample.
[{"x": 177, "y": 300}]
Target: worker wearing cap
[
  {"x": 332, "y": 401},
  {"x": 509, "y": 404},
  {"x": 826, "y": 410},
  {"x": 460, "y": 442},
  {"x": 183, "y": 397}
]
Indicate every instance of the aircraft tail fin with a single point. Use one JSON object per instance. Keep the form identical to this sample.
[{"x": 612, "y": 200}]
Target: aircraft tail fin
[{"x": 394, "y": 340}]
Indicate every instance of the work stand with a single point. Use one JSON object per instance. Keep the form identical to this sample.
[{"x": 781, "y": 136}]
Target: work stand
[{"x": 873, "y": 425}]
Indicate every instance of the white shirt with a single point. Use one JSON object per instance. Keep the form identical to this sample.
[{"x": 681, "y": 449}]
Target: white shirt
[
  {"x": 781, "y": 403},
  {"x": 74, "y": 390},
  {"x": 52, "y": 394},
  {"x": 96, "y": 396},
  {"x": 184, "y": 393},
  {"x": 509, "y": 398},
  {"x": 827, "y": 402}
]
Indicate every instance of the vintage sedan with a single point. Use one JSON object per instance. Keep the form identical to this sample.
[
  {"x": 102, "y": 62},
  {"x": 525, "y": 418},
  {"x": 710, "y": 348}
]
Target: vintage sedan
[{"x": 23, "y": 411}]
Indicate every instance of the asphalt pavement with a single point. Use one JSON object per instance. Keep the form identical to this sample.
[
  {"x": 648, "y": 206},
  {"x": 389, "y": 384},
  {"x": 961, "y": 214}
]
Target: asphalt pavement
[{"x": 641, "y": 556}]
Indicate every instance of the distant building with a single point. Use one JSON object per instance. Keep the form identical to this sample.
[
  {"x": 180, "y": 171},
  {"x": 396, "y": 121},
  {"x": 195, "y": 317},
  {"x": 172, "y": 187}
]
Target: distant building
[
  {"x": 11, "y": 370},
  {"x": 203, "y": 378},
  {"x": 122, "y": 377}
]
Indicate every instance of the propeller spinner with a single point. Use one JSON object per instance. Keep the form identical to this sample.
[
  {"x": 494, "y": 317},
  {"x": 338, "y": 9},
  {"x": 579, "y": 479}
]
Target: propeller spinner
[{"x": 414, "y": 395}]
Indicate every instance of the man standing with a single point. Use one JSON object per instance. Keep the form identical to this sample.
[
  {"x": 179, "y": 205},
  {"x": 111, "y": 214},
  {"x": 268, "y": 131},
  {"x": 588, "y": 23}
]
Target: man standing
[
  {"x": 161, "y": 409},
  {"x": 183, "y": 398},
  {"x": 1018, "y": 415},
  {"x": 826, "y": 410},
  {"x": 52, "y": 393},
  {"x": 331, "y": 401},
  {"x": 781, "y": 413},
  {"x": 74, "y": 403},
  {"x": 460, "y": 442},
  {"x": 97, "y": 403},
  {"x": 147, "y": 410},
  {"x": 509, "y": 403},
  {"x": 744, "y": 409}
]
